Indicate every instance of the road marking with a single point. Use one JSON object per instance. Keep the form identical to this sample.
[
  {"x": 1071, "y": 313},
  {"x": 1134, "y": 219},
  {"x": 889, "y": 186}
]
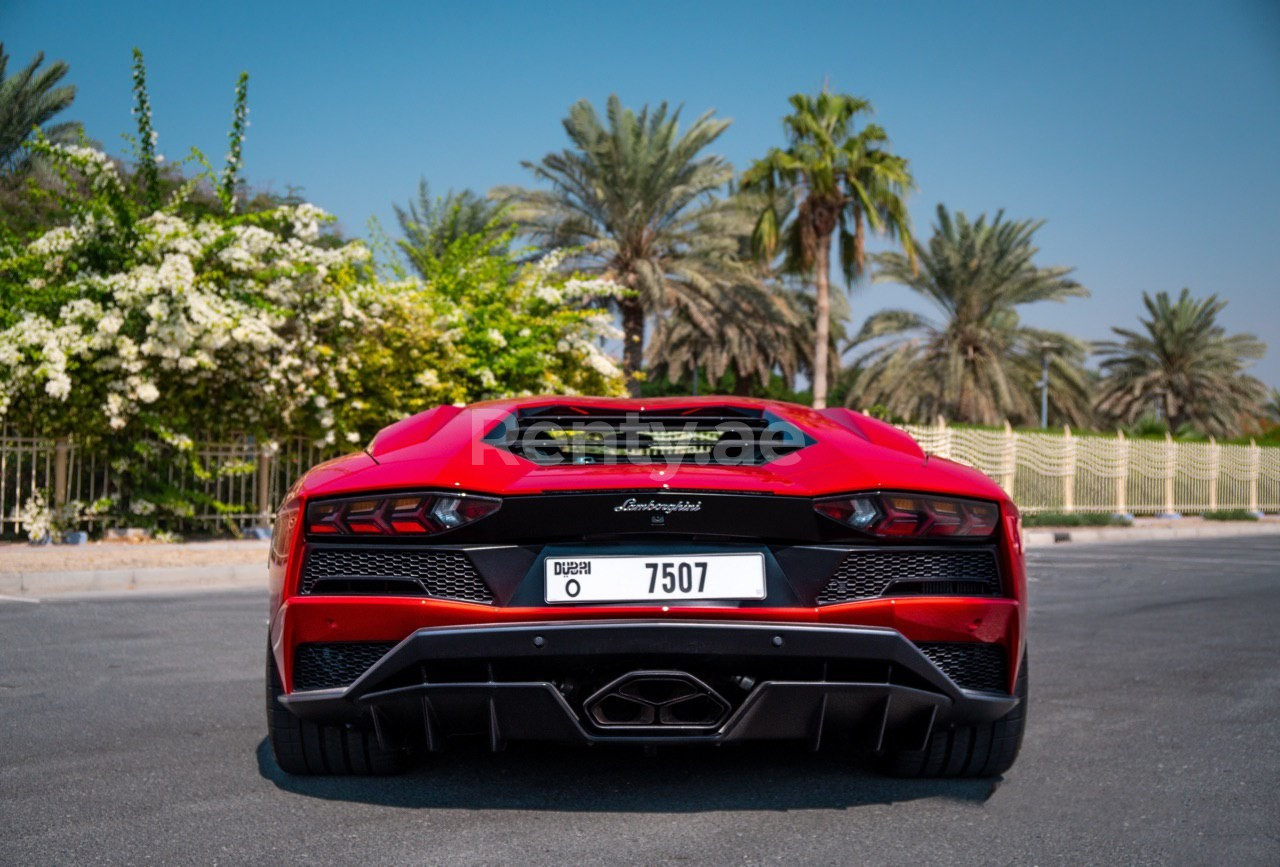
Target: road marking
[{"x": 4, "y": 598}]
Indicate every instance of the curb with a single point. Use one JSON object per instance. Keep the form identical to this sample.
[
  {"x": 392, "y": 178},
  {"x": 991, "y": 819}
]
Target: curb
[
  {"x": 228, "y": 576},
  {"x": 1047, "y": 538}
]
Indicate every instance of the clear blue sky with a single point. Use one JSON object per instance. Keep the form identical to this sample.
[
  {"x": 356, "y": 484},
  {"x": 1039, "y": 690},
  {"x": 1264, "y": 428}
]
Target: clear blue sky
[{"x": 1146, "y": 134}]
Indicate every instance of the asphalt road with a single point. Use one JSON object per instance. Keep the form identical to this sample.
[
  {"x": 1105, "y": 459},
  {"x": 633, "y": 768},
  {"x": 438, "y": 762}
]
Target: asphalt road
[{"x": 131, "y": 732}]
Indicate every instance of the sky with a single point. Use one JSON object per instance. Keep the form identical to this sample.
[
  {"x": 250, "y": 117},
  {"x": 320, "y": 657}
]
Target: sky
[{"x": 1146, "y": 135}]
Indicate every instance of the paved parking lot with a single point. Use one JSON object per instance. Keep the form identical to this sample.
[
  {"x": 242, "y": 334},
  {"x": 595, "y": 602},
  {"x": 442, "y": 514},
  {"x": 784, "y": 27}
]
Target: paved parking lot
[{"x": 131, "y": 731}]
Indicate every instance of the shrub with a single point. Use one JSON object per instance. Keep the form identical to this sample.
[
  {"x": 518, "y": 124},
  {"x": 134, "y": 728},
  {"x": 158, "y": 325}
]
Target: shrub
[
  {"x": 1074, "y": 519},
  {"x": 1229, "y": 515}
]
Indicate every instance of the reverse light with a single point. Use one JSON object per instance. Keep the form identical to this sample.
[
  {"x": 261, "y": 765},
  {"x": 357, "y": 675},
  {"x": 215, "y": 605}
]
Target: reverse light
[
  {"x": 398, "y": 514},
  {"x": 911, "y": 515}
]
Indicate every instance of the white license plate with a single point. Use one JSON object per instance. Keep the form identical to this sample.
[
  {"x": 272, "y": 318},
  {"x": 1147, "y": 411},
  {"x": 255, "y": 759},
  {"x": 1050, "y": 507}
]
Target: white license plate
[{"x": 628, "y": 578}]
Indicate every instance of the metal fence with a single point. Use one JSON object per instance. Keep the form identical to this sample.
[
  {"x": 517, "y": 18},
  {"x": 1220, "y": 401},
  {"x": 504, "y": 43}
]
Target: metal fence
[
  {"x": 240, "y": 483},
  {"x": 1066, "y": 472},
  {"x": 234, "y": 483}
]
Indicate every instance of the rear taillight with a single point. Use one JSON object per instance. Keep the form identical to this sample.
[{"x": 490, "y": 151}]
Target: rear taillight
[
  {"x": 911, "y": 515},
  {"x": 397, "y": 514}
]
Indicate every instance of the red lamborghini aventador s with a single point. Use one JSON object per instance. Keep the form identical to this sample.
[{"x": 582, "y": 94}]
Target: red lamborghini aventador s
[{"x": 680, "y": 570}]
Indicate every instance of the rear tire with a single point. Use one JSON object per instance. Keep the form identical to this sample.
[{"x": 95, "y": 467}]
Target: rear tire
[
  {"x": 983, "y": 750},
  {"x": 306, "y": 748}
]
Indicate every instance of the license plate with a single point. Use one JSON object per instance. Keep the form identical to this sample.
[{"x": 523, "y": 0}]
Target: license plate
[{"x": 628, "y": 578}]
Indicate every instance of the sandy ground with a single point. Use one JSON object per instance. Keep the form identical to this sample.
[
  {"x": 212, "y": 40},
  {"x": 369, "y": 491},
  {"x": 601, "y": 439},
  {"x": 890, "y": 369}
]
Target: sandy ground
[{"x": 22, "y": 558}]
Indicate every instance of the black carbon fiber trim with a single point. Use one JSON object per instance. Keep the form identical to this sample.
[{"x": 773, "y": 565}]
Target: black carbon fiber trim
[
  {"x": 868, "y": 574},
  {"x": 971, "y": 665},
  {"x": 328, "y": 666},
  {"x": 393, "y": 572}
]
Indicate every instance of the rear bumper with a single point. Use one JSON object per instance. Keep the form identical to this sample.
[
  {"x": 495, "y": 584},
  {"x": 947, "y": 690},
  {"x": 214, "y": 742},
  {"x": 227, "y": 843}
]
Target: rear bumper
[{"x": 536, "y": 681}]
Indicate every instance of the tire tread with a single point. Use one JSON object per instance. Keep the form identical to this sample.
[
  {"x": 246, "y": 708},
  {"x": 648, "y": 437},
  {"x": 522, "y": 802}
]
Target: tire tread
[
  {"x": 305, "y": 748},
  {"x": 984, "y": 750}
]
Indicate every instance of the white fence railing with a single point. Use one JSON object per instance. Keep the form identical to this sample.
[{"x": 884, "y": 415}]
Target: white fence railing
[
  {"x": 241, "y": 482},
  {"x": 1066, "y": 472}
]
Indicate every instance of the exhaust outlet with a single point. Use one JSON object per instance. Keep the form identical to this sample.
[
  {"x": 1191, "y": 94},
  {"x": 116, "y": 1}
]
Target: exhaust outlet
[{"x": 657, "y": 700}]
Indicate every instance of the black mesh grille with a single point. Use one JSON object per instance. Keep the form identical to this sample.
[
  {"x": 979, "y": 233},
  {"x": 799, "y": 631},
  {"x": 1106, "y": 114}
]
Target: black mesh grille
[
  {"x": 868, "y": 574},
  {"x": 327, "y": 666},
  {"x": 383, "y": 572},
  {"x": 970, "y": 665}
]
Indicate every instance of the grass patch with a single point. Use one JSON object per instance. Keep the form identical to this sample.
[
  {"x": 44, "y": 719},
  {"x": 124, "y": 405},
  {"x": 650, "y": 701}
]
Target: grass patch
[
  {"x": 1074, "y": 519},
  {"x": 1229, "y": 515}
]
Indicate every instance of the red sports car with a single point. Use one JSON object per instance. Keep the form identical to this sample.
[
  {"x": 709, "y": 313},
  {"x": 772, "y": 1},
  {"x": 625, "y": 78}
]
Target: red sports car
[{"x": 670, "y": 571}]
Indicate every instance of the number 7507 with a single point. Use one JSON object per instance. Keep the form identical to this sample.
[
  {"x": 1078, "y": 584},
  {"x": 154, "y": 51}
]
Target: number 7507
[{"x": 677, "y": 576}]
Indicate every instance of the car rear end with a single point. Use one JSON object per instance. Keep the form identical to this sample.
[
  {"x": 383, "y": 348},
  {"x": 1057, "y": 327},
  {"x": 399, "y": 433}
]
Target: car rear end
[{"x": 805, "y": 581}]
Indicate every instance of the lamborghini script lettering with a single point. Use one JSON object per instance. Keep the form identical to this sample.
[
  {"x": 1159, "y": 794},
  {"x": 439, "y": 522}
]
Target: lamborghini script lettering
[{"x": 631, "y": 504}]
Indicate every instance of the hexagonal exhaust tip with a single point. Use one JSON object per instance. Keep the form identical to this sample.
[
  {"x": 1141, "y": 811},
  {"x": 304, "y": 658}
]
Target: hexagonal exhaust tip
[{"x": 657, "y": 700}]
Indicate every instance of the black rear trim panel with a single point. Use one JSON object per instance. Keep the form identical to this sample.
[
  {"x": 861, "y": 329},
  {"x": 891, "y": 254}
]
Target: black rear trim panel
[{"x": 519, "y": 681}]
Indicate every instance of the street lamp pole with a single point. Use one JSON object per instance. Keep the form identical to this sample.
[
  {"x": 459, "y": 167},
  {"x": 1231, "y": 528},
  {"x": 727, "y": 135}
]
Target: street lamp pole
[{"x": 1044, "y": 384}]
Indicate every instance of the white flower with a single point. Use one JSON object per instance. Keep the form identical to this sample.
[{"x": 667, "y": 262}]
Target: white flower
[
  {"x": 548, "y": 294},
  {"x": 58, "y": 386}
]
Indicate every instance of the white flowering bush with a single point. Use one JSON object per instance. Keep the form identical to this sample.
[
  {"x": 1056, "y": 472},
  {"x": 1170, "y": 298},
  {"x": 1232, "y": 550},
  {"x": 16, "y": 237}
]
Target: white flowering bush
[
  {"x": 139, "y": 333},
  {"x": 127, "y": 325},
  {"x": 140, "y": 325},
  {"x": 44, "y": 522}
]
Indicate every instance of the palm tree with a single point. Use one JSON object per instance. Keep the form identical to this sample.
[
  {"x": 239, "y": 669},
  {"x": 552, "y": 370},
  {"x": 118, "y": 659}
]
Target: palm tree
[
  {"x": 976, "y": 363},
  {"x": 636, "y": 202},
  {"x": 1272, "y": 408},
  {"x": 845, "y": 182},
  {"x": 1184, "y": 364},
  {"x": 431, "y": 224},
  {"x": 751, "y": 328},
  {"x": 29, "y": 100}
]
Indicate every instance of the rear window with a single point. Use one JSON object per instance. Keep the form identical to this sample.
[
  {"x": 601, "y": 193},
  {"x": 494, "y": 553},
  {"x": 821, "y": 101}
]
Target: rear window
[{"x": 713, "y": 436}]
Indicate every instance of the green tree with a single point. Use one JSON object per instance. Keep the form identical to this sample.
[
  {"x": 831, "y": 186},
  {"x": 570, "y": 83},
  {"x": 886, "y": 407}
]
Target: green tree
[
  {"x": 479, "y": 324},
  {"x": 753, "y": 330},
  {"x": 977, "y": 362},
  {"x": 750, "y": 329},
  {"x": 430, "y": 224},
  {"x": 1184, "y": 365},
  {"x": 845, "y": 183},
  {"x": 1272, "y": 408},
  {"x": 636, "y": 200},
  {"x": 29, "y": 99}
]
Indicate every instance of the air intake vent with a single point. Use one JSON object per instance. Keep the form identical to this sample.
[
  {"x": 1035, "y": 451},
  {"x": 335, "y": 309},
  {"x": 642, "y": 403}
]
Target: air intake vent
[
  {"x": 330, "y": 666},
  {"x": 344, "y": 571},
  {"x": 970, "y": 665},
  {"x": 713, "y": 436},
  {"x": 868, "y": 574}
]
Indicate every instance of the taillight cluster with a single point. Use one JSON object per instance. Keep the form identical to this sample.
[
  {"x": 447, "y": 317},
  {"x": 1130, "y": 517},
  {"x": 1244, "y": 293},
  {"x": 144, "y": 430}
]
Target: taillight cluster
[
  {"x": 398, "y": 514},
  {"x": 912, "y": 515}
]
